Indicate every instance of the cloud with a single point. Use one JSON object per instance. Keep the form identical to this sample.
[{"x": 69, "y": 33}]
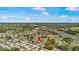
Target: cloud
[
  {"x": 4, "y": 17},
  {"x": 63, "y": 16},
  {"x": 45, "y": 13},
  {"x": 27, "y": 19},
  {"x": 14, "y": 19},
  {"x": 42, "y": 10},
  {"x": 66, "y": 18},
  {"x": 72, "y": 8},
  {"x": 39, "y": 8}
]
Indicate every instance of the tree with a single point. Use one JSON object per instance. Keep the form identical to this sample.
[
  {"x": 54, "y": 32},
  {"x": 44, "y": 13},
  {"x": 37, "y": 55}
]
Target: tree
[
  {"x": 68, "y": 39},
  {"x": 50, "y": 43},
  {"x": 69, "y": 45}
]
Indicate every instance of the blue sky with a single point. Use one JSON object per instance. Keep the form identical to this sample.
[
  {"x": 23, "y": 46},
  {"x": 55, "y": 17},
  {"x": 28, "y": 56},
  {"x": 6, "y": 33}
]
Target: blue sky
[{"x": 39, "y": 14}]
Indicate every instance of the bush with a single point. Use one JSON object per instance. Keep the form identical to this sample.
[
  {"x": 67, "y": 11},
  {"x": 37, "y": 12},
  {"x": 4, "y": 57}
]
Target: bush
[
  {"x": 4, "y": 49},
  {"x": 49, "y": 46},
  {"x": 76, "y": 48},
  {"x": 68, "y": 39},
  {"x": 14, "y": 49},
  {"x": 61, "y": 47},
  {"x": 8, "y": 37}
]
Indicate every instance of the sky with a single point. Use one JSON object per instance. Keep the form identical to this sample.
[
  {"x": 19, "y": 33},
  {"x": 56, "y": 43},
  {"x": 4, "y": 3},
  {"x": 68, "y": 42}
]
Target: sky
[{"x": 39, "y": 14}]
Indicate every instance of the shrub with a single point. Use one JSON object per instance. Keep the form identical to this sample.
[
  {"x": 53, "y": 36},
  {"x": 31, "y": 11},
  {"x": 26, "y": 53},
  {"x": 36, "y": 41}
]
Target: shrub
[
  {"x": 8, "y": 37},
  {"x": 14, "y": 49},
  {"x": 76, "y": 48},
  {"x": 49, "y": 46},
  {"x": 68, "y": 39},
  {"x": 61, "y": 47},
  {"x": 4, "y": 49}
]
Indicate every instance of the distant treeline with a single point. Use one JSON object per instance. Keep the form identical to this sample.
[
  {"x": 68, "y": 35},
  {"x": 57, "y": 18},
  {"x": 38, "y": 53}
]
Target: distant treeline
[{"x": 43, "y": 24}]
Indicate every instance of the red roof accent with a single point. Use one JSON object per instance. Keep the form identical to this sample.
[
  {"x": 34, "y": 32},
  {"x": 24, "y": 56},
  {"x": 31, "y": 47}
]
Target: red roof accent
[{"x": 40, "y": 39}]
